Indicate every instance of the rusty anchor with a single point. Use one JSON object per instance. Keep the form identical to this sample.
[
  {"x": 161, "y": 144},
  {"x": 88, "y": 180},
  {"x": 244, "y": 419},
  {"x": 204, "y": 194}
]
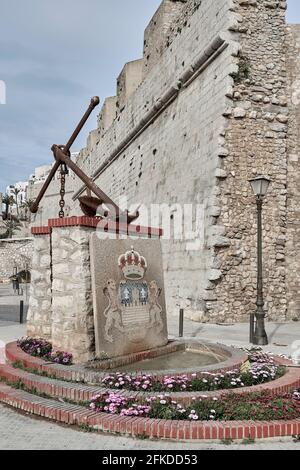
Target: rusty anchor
[{"x": 101, "y": 205}]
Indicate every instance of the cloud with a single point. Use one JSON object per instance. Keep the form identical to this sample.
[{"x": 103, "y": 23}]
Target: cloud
[{"x": 55, "y": 55}]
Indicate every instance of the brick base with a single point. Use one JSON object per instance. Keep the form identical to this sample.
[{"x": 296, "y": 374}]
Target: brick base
[
  {"x": 152, "y": 428},
  {"x": 75, "y": 414}
]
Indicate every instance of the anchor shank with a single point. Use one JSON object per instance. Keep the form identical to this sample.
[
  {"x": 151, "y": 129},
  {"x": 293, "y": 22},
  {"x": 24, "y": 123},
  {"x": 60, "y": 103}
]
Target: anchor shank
[
  {"x": 94, "y": 102},
  {"x": 61, "y": 157}
]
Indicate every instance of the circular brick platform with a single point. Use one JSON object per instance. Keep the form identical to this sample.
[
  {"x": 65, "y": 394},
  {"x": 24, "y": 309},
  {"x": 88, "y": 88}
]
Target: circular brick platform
[
  {"x": 74, "y": 393},
  {"x": 233, "y": 359}
]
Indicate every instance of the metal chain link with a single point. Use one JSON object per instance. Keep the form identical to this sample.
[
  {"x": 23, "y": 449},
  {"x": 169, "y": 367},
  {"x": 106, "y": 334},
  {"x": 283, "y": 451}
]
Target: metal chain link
[{"x": 62, "y": 192}]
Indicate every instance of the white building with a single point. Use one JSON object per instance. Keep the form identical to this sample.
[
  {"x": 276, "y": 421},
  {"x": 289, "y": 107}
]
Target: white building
[
  {"x": 18, "y": 192},
  {"x": 40, "y": 174}
]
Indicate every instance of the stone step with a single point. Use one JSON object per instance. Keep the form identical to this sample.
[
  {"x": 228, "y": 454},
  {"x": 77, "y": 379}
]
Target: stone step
[
  {"x": 47, "y": 408},
  {"x": 75, "y": 392},
  {"x": 78, "y": 415},
  {"x": 134, "y": 426}
]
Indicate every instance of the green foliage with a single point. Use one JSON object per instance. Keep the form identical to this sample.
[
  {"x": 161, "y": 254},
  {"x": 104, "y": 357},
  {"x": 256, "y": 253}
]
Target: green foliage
[
  {"x": 227, "y": 442},
  {"x": 248, "y": 441},
  {"x": 85, "y": 428},
  {"x": 233, "y": 407},
  {"x": 244, "y": 71},
  {"x": 4, "y": 235}
]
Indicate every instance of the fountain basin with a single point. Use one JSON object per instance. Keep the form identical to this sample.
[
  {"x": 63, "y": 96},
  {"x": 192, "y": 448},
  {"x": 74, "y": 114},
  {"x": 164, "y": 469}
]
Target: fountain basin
[{"x": 177, "y": 357}]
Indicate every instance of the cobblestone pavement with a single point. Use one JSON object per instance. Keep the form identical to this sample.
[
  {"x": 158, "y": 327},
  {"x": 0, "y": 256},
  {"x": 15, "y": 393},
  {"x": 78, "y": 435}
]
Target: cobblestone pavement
[{"x": 21, "y": 432}]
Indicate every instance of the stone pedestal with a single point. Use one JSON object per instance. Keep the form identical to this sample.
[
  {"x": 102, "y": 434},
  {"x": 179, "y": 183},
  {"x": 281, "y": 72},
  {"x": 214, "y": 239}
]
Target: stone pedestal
[
  {"x": 39, "y": 316},
  {"x": 72, "y": 309},
  {"x": 61, "y": 301}
]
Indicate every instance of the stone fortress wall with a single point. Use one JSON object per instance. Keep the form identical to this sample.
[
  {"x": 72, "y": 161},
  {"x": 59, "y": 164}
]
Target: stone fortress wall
[
  {"x": 293, "y": 182},
  {"x": 210, "y": 105}
]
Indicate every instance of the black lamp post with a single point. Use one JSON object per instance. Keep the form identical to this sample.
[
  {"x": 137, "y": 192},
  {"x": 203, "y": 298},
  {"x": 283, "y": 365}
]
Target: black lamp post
[{"x": 259, "y": 336}]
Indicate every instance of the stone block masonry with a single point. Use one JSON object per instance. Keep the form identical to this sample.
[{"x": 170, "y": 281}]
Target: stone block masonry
[
  {"x": 217, "y": 105},
  {"x": 292, "y": 237},
  {"x": 39, "y": 312},
  {"x": 255, "y": 142},
  {"x": 72, "y": 305},
  {"x": 14, "y": 252},
  {"x": 60, "y": 305},
  {"x": 61, "y": 295},
  {"x": 157, "y": 32},
  {"x": 155, "y": 166},
  {"x": 234, "y": 119},
  {"x": 128, "y": 81}
]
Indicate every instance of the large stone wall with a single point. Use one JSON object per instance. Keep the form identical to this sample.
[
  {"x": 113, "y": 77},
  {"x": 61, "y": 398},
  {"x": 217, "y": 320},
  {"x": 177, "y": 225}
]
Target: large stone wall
[
  {"x": 255, "y": 139},
  {"x": 217, "y": 104},
  {"x": 153, "y": 167},
  {"x": 293, "y": 172},
  {"x": 157, "y": 33},
  {"x": 14, "y": 252}
]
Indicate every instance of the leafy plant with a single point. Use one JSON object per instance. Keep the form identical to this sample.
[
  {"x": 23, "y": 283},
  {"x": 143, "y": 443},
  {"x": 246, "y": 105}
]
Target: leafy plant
[{"x": 244, "y": 70}]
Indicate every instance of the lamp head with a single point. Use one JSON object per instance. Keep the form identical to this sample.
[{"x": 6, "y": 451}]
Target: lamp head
[{"x": 260, "y": 185}]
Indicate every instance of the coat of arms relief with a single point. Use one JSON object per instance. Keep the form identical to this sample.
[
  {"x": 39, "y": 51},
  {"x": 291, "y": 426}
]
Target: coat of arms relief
[{"x": 133, "y": 304}]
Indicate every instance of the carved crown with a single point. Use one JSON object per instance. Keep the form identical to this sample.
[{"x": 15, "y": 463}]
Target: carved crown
[{"x": 132, "y": 264}]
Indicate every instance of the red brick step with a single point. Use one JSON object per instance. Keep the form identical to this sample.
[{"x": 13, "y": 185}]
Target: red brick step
[
  {"x": 62, "y": 412},
  {"x": 153, "y": 428},
  {"x": 76, "y": 392}
]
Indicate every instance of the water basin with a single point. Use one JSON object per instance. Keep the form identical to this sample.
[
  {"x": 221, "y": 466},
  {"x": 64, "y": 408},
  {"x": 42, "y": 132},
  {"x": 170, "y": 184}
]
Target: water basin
[{"x": 179, "y": 360}]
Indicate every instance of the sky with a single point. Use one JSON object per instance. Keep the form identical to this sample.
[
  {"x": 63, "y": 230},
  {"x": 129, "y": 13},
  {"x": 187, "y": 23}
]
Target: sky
[{"x": 54, "y": 56}]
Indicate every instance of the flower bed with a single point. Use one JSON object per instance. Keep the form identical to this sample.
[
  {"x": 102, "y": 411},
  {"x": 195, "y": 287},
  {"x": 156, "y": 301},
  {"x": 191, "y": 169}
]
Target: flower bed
[
  {"x": 244, "y": 406},
  {"x": 253, "y": 406},
  {"x": 262, "y": 369},
  {"x": 40, "y": 348}
]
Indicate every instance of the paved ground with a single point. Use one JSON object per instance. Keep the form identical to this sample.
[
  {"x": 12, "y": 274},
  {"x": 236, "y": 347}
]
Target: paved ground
[
  {"x": 282, "y": 336},
  {"x": 10, "y": 303},
  {"x": 21, "y": 432},
  {"x": 18, "y": 431}
]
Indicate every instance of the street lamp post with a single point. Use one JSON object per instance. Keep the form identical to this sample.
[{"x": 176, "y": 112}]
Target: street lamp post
[{"x": 259, "y": 336}]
